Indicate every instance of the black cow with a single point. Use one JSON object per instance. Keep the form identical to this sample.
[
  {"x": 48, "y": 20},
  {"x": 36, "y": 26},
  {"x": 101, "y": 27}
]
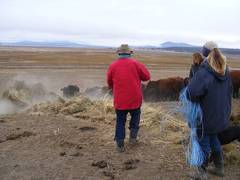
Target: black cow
[
  {"x": 70, "y": 91},
  {"x": 229, "y": 135}
]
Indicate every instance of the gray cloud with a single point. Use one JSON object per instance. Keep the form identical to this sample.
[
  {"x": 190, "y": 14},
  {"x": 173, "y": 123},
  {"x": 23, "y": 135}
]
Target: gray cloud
[{"x": 110, "y": 22}]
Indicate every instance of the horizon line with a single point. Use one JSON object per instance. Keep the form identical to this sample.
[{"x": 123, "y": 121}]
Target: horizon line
[{"x": 108, "y": 46}]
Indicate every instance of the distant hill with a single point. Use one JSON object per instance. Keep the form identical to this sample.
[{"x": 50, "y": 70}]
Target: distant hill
[
  {"x": 170, "y": 44},
  {"x": 51, "y": 43},
  {"x": 166, "y": 46},
  {"x": 66, "y": 44},
  {"x": 193, "y": 49},
  {"x": 188, "y": 48}
]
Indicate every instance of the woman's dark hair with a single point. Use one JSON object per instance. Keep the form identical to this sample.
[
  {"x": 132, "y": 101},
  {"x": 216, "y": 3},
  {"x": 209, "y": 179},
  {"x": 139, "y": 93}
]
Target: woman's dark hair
[{"x": 197, "y": 58}]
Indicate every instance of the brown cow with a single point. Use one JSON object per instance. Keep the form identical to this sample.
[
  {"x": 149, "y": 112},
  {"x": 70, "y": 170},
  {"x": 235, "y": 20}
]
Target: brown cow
[
  {"x": 235, "y": 75},
  {"x": 163, "y": 89}
]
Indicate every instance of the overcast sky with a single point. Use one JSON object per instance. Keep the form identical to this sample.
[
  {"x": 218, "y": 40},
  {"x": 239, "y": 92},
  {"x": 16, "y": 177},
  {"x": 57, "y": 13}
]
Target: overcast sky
[{"x": 112, "y": 22}]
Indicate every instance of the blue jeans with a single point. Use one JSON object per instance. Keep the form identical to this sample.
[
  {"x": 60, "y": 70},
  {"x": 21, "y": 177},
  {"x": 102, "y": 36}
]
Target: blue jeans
[
  {"x": 209, "y": 144},
  {"x": 121, "y": 121}
]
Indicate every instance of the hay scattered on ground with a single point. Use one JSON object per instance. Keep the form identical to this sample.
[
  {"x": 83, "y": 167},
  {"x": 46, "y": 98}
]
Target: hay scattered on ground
[
  {"x": 153, "y": 116},
  {"x": 82, "y": 107},
  {"x": 231, "y": 153},
  {"x": 78, "y": 107},
  {"x": 166, "y": 125}
]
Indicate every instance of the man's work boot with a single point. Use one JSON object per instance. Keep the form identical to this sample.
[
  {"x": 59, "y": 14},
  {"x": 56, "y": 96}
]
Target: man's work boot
[
  {"x": 120, "y": 149},
  {"x": 218, "y": 168},
  {"x": 133, "y": 141},
  {"x": 133, "y": 136},
  {"x": 120, "y": 146}
]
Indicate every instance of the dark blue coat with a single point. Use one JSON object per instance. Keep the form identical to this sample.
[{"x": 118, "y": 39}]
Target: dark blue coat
[
  {"x": 193, "y": 70},
  {"x": 214, "y": 93}
]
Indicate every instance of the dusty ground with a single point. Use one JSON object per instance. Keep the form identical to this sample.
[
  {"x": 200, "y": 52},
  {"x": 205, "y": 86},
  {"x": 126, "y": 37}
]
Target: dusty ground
[
  {"x": 44, "y": 145},
  {"x": 49, "y": 143}
]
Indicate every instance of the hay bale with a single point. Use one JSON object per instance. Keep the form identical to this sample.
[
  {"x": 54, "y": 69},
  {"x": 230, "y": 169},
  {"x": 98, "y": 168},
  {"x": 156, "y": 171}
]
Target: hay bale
[
  {"x": 76, "y": 105},
  {"x": 61, "y": 106},
  {"x": 72, "y": 108}
]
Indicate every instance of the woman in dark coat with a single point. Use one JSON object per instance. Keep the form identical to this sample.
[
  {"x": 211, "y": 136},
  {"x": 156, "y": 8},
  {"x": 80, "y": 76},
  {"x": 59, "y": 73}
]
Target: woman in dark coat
[
  {"x": 197, "y": 60},
  {"x": 211, "y": 86}
]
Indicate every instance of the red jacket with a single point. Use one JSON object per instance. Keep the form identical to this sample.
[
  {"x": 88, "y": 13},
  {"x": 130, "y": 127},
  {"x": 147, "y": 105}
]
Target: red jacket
[{"x": 124, "y": 77}]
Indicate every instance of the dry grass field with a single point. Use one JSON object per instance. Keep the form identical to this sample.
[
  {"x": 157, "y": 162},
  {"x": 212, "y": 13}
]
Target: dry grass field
[
  {"x": 86, "y": 67},
  {"x": 73, "y": 139}
]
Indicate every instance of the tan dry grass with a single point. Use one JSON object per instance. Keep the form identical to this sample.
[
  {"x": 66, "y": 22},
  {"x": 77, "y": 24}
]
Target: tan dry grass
[{"x": 61, "y": 56}]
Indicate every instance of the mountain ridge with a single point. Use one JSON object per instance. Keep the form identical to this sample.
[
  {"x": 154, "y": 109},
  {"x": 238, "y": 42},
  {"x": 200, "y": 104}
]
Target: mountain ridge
[
  {"x": 165, "y": 46},
  {"x": 67, "y": 44},
  {"x": 169, "y": 44}
]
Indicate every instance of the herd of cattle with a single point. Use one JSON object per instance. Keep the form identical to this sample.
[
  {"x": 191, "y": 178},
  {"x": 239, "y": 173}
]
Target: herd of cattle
[{"x": 167, "y": 89}]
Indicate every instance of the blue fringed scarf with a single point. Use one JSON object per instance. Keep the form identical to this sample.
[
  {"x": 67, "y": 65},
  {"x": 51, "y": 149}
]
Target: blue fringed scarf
[{"x": 192, "y": 113}]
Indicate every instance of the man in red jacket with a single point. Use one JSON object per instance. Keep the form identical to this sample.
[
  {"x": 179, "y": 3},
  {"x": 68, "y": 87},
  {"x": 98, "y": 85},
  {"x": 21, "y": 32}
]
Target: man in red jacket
[{"x": 124, "y": 77}]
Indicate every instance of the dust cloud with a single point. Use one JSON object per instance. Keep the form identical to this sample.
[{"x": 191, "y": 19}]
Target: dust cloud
[{"x": 19, "y": 93}]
